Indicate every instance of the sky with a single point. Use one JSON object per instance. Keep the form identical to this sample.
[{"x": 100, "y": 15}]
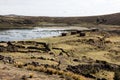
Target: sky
[{"x": 59, "y": 7}]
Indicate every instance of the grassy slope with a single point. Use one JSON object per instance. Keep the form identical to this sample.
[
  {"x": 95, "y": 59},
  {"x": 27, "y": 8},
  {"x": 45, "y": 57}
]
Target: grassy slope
[
  {"x": 77, "y": 48},
  {"x": 29, "y": 21},
  {"x": 74, "y": 45}
]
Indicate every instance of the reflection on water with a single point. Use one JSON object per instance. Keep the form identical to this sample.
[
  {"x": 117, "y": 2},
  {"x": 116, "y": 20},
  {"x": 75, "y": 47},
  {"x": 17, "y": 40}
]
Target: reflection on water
[{"x": 22, "y": 34}]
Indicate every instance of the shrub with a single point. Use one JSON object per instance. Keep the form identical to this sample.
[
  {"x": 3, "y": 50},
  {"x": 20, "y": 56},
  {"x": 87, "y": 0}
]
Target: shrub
[
  {"x": 74, "y": 76},
  {"x": 18, "y": 64},
  {"x": 54, "y": 71},
  {"x": 31, "y": 75},
  {"x": 24, "y": 77},
  {"x": 30, "y": 67},
  {"x": 51, "y": 71},
  {"x": 60, "y": 72}
]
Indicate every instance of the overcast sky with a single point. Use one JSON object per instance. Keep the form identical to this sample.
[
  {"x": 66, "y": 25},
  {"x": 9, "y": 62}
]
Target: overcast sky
[{"x": 59, "y": 7}]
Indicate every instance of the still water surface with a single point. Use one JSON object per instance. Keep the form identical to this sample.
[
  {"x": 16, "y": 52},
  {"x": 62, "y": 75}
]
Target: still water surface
[{"x": 23, "y": 34}]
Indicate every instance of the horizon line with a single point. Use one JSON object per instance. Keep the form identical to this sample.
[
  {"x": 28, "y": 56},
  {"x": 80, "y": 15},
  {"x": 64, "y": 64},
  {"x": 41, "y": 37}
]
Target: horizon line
[{"x": 59, "y": 16}]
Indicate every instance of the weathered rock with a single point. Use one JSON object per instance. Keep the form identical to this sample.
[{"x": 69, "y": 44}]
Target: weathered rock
[
  {"x": 9, "y": 43},
  {"x": 35, "y": 63},
  {"x": 32, "y": 47},
  {"x": 42, "y": 58},
  {"x": 30, "y": 42},
  {"x": 1, "y": 57},
  {"x": 12, "y": 48},
  {"x": 20, "y": 46},
  {"x": 60, "y": 54},
  {"x": 76, "y": 60},
  {"x": 48, "y": 46},
  {"x": 2, "y": 48},
  {"x": 93, "y": 68},
  {"x": 32, "y": 63},
  {"x": 91, "y": 41},
  {"x": 8, "y": 60}
]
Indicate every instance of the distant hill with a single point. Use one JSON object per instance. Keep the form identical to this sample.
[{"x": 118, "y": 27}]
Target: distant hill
[{"x": 17, "y": 20}]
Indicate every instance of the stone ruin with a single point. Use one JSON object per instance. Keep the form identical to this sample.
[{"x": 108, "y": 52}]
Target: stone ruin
[
  {"x": 6, "y": 59},
  {"x": 25, "y": 46},
  {"x": 63, "y": 34},
  {"x": 87, "y": 69},
  {"x": 81, "y": 33}
]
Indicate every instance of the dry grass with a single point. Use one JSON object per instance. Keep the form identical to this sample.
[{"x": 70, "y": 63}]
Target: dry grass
[
  {"x": 105, "y": 74},
  {"x": 54, "y": 71},
  {"x": 18, "y": 64},
  {"x": 114, "y": 39},
  {"x": 77, "y": 48}
]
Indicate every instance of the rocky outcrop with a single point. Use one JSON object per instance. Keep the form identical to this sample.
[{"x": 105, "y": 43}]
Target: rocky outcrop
[
  {"x": 86, "y": 69},
  {"x": 25, "y": 46},
  {"x": 6, "y": 59},
  {"x": 1, "y": 57},
  {"x": 2, "y": 48},
  {"x": 12, "y": 48}
]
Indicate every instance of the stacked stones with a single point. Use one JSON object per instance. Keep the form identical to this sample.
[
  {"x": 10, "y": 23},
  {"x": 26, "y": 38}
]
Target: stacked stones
[{"x": 81, "y": 33}]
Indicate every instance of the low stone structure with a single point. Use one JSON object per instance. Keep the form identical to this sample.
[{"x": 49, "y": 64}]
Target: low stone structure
[
  {"x": 73, "y": 32},
  {"x": 63, "y": 34},
  {"x": 86, "y": 69},
  {"x": 82, "y": 34},
  {"x": 25, "y": 46},
  {"x": 78, "y": 31},
  {"x": 6, "y": 59},
  {"x": 2, "y": 48}
]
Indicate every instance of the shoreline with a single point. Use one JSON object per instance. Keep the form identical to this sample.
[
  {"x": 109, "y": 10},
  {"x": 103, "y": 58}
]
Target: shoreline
[
  {"x": 53, "y": 27},
  {"x": 16, "y": 28}
]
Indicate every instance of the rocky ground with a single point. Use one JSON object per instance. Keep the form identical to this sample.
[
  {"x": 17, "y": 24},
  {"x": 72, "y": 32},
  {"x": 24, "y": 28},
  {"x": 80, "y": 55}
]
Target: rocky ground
[{"x": 78, "y": 55}]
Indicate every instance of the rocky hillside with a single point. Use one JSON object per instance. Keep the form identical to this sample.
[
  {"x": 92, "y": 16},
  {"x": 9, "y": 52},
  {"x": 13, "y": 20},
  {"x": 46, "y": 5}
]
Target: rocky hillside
[
  {"x": 77, "y": 55},
  {"x": 18, "y": 21}
]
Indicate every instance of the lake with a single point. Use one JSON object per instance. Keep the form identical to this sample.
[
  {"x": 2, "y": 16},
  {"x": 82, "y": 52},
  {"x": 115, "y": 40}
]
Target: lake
[{"x": 24, "y": 34}]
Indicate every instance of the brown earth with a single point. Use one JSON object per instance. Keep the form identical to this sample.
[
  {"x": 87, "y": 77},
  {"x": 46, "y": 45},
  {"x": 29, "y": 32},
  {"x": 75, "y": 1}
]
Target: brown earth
[
  {"x": 86, "y": 55},
  {"x": 31, "y": 21}
]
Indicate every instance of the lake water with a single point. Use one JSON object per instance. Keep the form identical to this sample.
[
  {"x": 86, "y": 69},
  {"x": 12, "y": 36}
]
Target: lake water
[{"x": 23, "y": 34}]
